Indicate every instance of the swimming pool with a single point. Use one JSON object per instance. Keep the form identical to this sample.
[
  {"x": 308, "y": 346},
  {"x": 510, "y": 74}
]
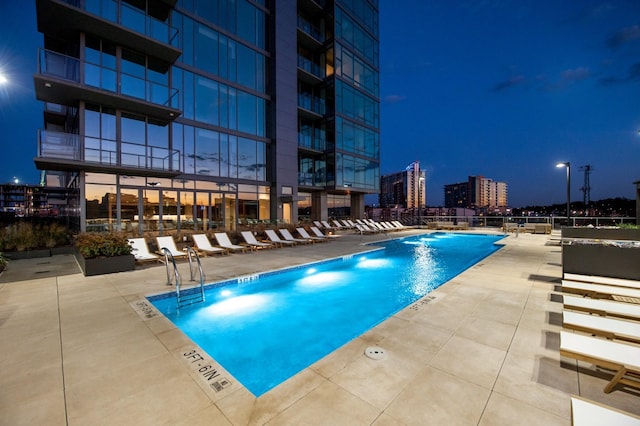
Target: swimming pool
[{"x": 266, "y": 328}]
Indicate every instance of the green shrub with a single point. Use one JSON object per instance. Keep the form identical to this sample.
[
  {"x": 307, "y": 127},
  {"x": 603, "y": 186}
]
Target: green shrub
[
  {"x": 22, "y": 236},
  {"x": 109, "y": 244}
]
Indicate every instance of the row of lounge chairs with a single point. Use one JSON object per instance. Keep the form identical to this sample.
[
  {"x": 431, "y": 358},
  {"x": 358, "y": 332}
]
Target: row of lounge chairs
[
  {"x": 224, "y": 246},
  {"x": 448, "y": 225},
  {"x": 601, "y": 320},
  {"x": 601, "y": 326},
  {"x": 363, "y": 226}
]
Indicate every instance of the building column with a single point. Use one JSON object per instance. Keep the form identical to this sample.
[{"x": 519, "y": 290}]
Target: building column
[
  {"x": 637, "y": 183},
  {"x": 357, "y": 206},
  {"x": 319, "y": 206}
]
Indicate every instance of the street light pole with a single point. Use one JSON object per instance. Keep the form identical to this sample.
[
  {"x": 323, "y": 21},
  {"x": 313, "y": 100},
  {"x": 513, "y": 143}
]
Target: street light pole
[{"x": 568, "y": 166}]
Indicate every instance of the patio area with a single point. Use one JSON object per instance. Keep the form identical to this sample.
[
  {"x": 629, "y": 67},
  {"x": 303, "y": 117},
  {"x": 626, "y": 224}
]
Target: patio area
[{"x": 483, "y": 349}]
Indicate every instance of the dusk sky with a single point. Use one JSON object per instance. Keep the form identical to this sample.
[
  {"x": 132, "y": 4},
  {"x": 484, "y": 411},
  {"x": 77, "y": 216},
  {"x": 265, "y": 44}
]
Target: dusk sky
[{"x": 501, "y": 89}]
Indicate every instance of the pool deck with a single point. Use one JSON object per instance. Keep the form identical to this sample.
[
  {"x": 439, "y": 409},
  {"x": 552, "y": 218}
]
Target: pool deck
[{"x": 480, "y": 350}]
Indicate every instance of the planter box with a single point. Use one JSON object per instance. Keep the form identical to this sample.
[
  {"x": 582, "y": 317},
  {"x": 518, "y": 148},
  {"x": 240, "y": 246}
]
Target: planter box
[
  {"x": 594, "y": 252},
  {"x": 106, "y": 265}
]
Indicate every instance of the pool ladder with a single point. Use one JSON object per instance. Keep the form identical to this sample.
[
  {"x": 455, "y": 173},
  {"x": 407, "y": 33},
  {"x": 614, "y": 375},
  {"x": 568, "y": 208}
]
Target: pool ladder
[{"x": 184, "y": 298}]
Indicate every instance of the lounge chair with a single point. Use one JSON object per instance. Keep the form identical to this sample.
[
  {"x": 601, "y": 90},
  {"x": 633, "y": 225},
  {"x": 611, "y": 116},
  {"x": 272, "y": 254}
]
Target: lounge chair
[
  {"x": 169, "y": 244},
  {"x": 363, "y": 229},
  {"x": 223, "y": 241},
  {"x": 602, "y": 291},
  {"x": 326, "y": 224},
  {"x": 203, "y": 245},
  {"x": 140, "y": 251},
  {"x": 318, "y": 233},
  {"x": 398, "y": 224},
  {"x": 596, "y": 279},
  {"x": 622, "y": 358},
  {"x": 287, "y": 236},
  {"x": 602, "y": 307},
  {"x": 611, "y": 328},
  {"x": 274, "y": 238},
  {"x": 585, "y": 412},
  {"x": 251, "y": 240},
  {"x": 304, "y": 234}
]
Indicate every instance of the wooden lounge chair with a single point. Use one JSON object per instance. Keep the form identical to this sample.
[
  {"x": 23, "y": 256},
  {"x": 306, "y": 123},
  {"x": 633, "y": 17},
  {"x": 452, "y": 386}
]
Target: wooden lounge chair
[
  {"x": 140, "y": 251},
  {"x": 585, "y": 412},
  {"x": 318, "y": 233},
  {"x": 596, "y": 279},
  {"x": 622, "y": 358},
  {"x": 274, "y": 238},
  {"x": 602, "y": 291},
  {"x": 602, "y": 307},
  {"x": 203, "y": 245},
  {"x": 170, "y": 245},
  {"x": 304, "y": 234},
  {"x": 251, "y": 240},
  {"x": 223, "y": 241},
  {"x": 287, "y": 236},
  {"x": 611, "y": 328},
  {"x": 326, "y": 224}
]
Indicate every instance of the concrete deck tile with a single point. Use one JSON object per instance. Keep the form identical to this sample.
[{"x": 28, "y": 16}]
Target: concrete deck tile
[
  {"x": 438, "y": 398},
  {"x": 502, "y": 410}
]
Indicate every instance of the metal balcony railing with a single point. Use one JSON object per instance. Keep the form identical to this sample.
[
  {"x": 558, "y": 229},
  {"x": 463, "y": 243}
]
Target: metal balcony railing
[
  {"x": 83, "y": 72},
  {"x": 106, "y": 152},
  {"x": 130, "y": 17}
]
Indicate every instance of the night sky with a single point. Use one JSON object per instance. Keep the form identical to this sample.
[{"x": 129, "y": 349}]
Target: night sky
[{"x": 501, "y": 89}]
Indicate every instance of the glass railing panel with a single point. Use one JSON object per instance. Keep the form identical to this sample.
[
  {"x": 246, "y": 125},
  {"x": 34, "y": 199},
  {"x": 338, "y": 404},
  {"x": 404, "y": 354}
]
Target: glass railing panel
[
  {"x": 67, "y": 68},
  {"x": 130, "y": 17},
  {"x": 67, "y": 146}
]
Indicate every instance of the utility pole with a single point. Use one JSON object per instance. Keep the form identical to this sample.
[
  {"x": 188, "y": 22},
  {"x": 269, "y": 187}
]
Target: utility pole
[{"x": 586, "y": 187}]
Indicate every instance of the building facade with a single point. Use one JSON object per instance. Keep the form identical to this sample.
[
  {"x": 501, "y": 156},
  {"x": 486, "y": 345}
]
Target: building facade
[
  {"x": 199, "y": 114},
  {"x": 477, "y": 192},
  {"x": 406, "y": 189}
]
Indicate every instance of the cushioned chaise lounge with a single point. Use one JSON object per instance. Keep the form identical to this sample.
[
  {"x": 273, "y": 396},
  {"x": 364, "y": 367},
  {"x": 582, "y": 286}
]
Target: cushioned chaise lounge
[
  {"x": 251, "y": 240},
  {"x": 170, "y": 245},
  {"x": 287, "y": 236},
  {"x": 223, "y": 241},
  {"x": 203, "y": 245},
  {"x": 274, "y": 238},
  {"x": 140, "y": 251},
  {"x": 585, "y": 412},
  {"x": 622, "y": 358},
  {"x": 611, "y": 328},
  {"x": 602, "y": 307}
]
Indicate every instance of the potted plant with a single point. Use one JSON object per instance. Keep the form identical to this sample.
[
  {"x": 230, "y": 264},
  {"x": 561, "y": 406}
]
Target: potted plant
[{"x": 103, "y": 253}]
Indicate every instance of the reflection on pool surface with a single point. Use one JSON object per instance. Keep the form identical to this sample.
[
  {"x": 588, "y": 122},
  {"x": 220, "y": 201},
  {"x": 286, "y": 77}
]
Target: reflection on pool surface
[{"x": 265, "y": 330}]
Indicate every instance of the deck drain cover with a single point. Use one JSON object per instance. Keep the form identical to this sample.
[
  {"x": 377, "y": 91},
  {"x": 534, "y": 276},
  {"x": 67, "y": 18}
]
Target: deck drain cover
[{"x": 375, "y": 352}]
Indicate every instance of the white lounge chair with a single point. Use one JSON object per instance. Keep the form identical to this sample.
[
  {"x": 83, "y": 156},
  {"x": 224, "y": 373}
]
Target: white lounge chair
[
  {"x": 203, "y": 245},
  {"x": 223, "y": 241},
  {"x": 602, "y": 307},
  {"x": 603, "y": 291},
  {"x": 398, "y": 224},
  {"x": 304, "y": 234},
  {"x": 326, "y": 224},
  {"x": 622, "y": 358},
  {"x": 140, "y": 251},
  {"x": 251, "y": 240},
  {"x": 318, "y": 233},
  {"x": 274, "y": 238},
  {"x": 287, "y": 236},
  {"x": 364, "y": 229},
  {"x": 170, "y": 245},
  {"x": 596, "y": 279},
  {"x": 586, "y": 413},
  {"x": 611, "y": 328}
]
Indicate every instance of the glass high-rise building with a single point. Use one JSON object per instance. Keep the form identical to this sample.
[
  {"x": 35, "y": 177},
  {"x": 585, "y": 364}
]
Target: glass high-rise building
[{"x": 195, "y": 114}]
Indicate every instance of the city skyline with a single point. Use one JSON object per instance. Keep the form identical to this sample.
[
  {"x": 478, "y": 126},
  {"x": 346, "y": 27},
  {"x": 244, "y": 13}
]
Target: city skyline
[{"x": 500, "y": 89}]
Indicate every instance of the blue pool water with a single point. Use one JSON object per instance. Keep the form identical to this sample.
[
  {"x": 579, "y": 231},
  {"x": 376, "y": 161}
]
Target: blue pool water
[{"x": 265, "y": 329}]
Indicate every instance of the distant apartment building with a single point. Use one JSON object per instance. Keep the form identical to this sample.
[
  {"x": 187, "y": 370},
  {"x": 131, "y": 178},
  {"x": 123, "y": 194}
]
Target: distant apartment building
[
  {"x": 200, "y": 114},
  {"x": 406, "y": 189},
  {"x": 477, "y": 192}
]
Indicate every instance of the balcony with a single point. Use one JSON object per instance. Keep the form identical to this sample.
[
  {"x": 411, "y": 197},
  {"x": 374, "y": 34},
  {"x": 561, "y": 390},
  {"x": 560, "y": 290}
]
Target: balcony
[
  {"x": 309, "y": 35},
  {"x": 311, "y": 180},
  {"x": 112, "y": 20},
  {"x": 64, "y": 80},
  {"x": 311, "y": 106},
  {"x": 310, "y": 72},
  {"x": 71, "y": 152},
  {"x": 317, "y": 144}
]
